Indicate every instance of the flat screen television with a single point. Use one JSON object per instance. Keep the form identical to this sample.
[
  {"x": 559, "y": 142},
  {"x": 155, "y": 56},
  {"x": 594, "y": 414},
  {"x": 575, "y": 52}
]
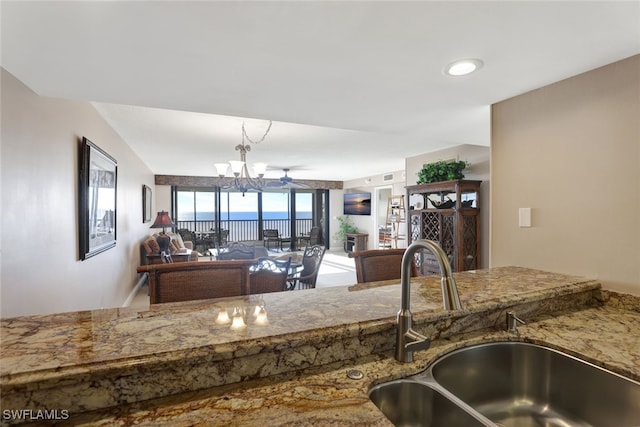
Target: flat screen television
[{"x": 357, "y": 204}]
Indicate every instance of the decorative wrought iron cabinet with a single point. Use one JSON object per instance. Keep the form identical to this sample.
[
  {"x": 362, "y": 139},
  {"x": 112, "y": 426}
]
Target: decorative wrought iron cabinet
[{"x": 448, "y": 213}]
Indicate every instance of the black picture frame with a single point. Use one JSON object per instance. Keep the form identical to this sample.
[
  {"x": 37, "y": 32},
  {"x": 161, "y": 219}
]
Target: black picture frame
[
  {"x": 97, "y": 195},
  {"x": 146, "y": 203}
]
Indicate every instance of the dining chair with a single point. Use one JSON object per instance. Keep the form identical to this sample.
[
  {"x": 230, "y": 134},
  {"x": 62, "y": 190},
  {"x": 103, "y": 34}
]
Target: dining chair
[
  {"x": 216, "y": 237},
  {"x": 311, "y": 260},
  {"x": 269, "y": 275},
  {"x": 237, "y": 250},
  {"x": 380, "y": 264}
]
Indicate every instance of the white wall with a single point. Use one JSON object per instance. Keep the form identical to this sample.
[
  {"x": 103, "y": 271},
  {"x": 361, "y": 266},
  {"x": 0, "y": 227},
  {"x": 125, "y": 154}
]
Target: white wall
[
  {"x": 40, "y": 268},
  {"x": 571, "y": 152},
  {"x": 335, "y": 208}
]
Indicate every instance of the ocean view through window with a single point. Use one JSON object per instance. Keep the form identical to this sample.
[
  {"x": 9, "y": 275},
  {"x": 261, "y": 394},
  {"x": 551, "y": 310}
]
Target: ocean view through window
[{"x": 244, "y": 217}]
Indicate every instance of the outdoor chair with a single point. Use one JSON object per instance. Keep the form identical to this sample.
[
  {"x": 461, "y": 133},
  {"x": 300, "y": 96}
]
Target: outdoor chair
[
  {"x": 311, "y": 260},
  {"x": 380, "y": 264},
  {"x": 269, "y": 276},
  {"x": 271, "y": 235},
  {"x": 313, "y": 238}
]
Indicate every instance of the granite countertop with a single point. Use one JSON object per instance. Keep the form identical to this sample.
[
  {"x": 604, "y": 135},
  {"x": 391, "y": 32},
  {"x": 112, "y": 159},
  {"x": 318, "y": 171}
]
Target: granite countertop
[
  {"x": 174, "y": 365},
  {"x": 325, "y": 396},
  {"x": 49, "y": 344}
]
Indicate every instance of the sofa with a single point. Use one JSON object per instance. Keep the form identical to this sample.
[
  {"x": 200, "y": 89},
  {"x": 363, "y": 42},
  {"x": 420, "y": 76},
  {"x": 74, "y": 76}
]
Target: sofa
[
  {"x": 180, "y": 250},
  {"x": 187, "y": 281}
]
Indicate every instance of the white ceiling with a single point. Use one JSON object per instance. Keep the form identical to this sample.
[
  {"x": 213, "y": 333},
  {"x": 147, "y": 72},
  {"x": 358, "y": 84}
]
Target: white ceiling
[{"x": 352, "y": 87}]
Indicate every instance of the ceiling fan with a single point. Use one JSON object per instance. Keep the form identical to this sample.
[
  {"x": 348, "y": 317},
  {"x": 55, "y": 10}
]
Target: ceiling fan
[{"x": 287, "y": 182}]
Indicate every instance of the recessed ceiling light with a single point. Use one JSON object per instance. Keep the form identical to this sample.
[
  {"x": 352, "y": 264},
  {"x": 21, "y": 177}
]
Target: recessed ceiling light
[{"x": 463, "y": 67}]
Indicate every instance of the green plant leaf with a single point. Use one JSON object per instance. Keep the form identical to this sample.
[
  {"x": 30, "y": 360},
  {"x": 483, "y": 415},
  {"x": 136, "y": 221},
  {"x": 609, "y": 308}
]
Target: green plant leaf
[{"x": 441, "y": 171}]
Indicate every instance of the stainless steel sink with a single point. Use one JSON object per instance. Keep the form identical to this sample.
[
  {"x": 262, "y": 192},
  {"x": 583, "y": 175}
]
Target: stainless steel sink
[
  {"x": 409, "y": 403},
  {"x": 514, "y": 384}
]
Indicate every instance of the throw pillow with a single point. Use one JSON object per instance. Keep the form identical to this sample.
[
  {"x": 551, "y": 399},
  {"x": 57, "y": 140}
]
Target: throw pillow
[
  {"x": 151, "y": 246},
  {"x": 177, "y": 238}
]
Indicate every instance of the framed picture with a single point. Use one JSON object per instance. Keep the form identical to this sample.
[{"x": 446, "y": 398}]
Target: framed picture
[
  {"x": 146, "y": 204},
  {"x": 97, "y": 190}
]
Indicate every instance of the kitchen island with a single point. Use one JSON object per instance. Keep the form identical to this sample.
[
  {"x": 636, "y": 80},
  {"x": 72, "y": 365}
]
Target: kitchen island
[{"x": 174, "y": 365}]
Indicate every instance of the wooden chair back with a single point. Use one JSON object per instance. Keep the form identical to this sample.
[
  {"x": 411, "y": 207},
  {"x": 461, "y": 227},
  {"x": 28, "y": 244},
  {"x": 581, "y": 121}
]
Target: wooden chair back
[
  {"x": 187, "y": 281},
  {"x": 237, "y": 250},
  {"x": 380, "y": 264}
]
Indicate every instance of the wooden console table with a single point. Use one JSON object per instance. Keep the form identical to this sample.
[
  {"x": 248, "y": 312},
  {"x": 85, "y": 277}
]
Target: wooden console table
[
  {"x": 356, "y": 242},
  {"x": 157, "y": 259}
]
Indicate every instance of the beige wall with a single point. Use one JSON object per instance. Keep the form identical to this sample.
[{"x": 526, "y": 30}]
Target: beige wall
[
  {"x": 40, "y": 268},
  {"x": 478, "y": 158},
  {"x": 571, "y": 152}
]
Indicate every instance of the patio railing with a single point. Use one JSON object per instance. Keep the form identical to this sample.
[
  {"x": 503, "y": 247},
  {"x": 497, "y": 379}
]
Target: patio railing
[{"x": 241, "y": 230}]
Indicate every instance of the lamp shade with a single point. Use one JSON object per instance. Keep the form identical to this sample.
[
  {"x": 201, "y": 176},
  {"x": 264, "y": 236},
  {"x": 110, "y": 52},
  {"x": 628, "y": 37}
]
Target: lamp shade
[
  {"x": 163, "y": 220},
  {"x": 236, "y": 166},
  {"x": 259, "y": 168},
  {"x": 222, "y": 168}
]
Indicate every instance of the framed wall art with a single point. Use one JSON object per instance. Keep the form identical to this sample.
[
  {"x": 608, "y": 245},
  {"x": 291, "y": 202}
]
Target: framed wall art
[
  {"x": 146, "y": 204},
  {"x": 97, "y": 191}
]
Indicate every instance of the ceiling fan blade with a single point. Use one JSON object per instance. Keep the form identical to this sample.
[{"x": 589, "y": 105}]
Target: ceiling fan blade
[
  {"x": 286, "y": 182},
  {"x": 274, "y": 184},
  {"x": 294, "y": 184}
]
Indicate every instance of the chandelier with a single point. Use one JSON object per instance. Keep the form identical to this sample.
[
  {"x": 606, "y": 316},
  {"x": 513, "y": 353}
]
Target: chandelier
[{"x": 241, "y": 180}]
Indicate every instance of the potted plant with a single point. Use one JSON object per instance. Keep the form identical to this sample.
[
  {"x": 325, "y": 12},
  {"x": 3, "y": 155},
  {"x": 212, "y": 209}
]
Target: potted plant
[
  {"x": 441, "y": 171},
  {"x": 345, "y": 227}
]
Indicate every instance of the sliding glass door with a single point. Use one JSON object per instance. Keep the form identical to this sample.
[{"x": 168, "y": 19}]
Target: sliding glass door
[{"x": 244, "y": 217}]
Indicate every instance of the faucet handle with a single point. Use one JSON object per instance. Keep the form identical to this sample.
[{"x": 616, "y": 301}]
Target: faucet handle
[
  {"x": 416, "y": 341},
  {"x": 512, "y": 322}
]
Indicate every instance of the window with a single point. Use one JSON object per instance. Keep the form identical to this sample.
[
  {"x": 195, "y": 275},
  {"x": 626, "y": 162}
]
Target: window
[
  {"x": 239, "y": 215},
  {"x": 275, "y": 205},
  {"x": 195, "y": 209},
  {"x": 244, "y": 216}
]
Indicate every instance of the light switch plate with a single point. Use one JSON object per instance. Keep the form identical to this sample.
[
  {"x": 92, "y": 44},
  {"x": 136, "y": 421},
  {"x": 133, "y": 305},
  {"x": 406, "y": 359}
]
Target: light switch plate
[{"x": 524, "y": 217}]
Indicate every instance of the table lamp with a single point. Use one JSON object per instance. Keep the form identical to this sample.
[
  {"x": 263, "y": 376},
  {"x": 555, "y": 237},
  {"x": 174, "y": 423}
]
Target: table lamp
[{"x": 163, "y": 220}]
